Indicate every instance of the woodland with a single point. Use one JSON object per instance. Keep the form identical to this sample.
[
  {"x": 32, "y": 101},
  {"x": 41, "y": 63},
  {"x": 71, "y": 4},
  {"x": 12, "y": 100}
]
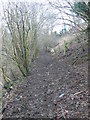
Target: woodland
[{"x": 44, "y": 60}]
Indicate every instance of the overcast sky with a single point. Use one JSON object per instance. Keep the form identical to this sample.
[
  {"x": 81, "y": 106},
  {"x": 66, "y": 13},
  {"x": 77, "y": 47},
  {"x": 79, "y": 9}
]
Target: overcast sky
[
  {"x": 39, "y": 1},
  {"x": 5, "y": 1},
  {"x": 57, "y": 28}
]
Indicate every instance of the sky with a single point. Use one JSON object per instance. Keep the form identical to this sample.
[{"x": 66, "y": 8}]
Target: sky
[
  {"x": 39, "y": 1},
  {"x": 5, "y": 2},
  {"x": 57, "y": 28},
  {"x": 24, "y": 0}
]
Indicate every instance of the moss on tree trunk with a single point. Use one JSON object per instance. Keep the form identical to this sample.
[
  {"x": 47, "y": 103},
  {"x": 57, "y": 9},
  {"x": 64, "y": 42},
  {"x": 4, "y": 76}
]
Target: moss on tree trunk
[{"x": 88, "y": 32}]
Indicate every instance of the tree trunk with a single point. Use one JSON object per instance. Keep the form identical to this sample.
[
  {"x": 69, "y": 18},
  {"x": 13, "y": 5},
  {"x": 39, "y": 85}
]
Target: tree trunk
[
  {"x": 88, "y": 31},
  {"x": 88, "y": 68}
]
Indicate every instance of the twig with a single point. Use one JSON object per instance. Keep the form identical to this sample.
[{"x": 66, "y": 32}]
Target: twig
[{"x": 79, "y": 92}]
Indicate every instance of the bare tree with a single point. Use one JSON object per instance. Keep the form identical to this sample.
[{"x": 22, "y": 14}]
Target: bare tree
[
  {"x": 19, "y": 38},
  {"x": 70, "y": 12},
  {"x": 24, "y": 31}
]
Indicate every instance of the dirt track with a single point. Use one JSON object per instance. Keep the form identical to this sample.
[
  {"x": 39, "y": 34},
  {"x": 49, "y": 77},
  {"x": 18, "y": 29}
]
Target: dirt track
[{"x": 54, "y": 88}]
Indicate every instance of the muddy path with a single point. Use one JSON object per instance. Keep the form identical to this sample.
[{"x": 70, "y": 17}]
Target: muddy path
[{"x": 54, "y": 89}]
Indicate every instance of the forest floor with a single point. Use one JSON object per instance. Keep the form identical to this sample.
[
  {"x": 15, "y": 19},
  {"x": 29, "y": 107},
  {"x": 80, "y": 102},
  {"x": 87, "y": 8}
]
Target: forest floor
[{"x": 55, "y": 88}]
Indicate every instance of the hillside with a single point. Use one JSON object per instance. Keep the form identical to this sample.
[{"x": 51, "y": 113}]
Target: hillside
[{"x": 55, "y": 88}]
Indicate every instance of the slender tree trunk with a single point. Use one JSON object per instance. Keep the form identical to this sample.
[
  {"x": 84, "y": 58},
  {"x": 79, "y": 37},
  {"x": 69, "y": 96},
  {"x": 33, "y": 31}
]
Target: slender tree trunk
[
  {"x": 88, "y": 31},
  {"x": 88, "y": 68}
]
